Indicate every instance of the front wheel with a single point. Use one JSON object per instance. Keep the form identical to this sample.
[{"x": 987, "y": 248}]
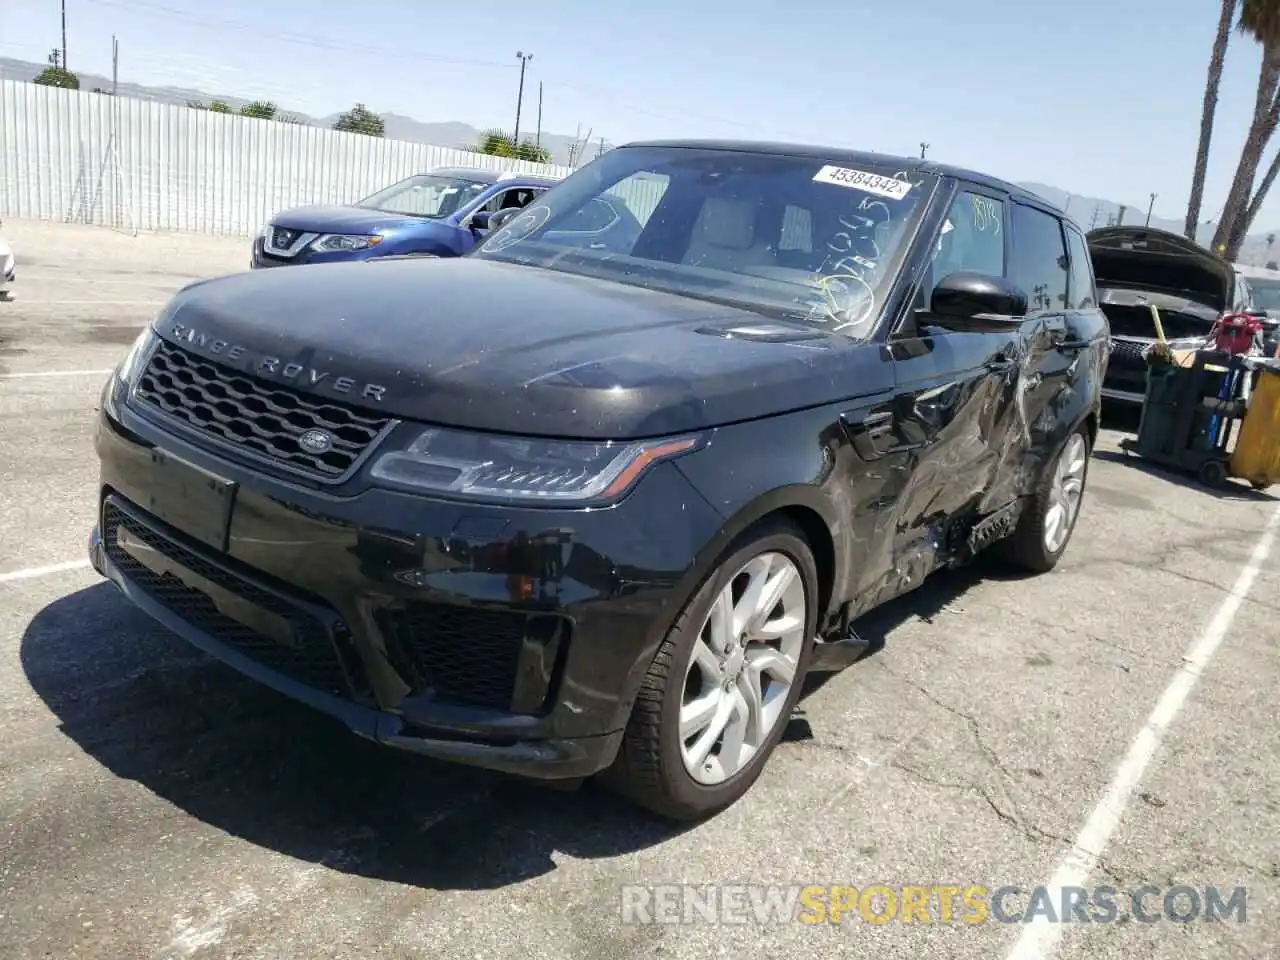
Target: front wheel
[
  {"x": 722, "y": 686},
  {"x": 1046, "y": 525}
]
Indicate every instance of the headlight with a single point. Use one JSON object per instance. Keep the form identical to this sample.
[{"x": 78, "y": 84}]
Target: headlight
[
  {"x": 341, "y": 242},
  {"x": 134, "y": 361},
  {"x": 511, "y": 468}
]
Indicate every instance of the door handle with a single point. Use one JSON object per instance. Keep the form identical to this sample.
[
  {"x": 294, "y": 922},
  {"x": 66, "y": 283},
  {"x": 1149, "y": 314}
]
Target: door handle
[
  {"x": 1001, "y": 362},
  {"x": 872, "y": 436}
]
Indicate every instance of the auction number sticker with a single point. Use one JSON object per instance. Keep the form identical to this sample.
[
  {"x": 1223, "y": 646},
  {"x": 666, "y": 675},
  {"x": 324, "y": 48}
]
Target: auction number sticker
[{"x": 862, "y": 180}]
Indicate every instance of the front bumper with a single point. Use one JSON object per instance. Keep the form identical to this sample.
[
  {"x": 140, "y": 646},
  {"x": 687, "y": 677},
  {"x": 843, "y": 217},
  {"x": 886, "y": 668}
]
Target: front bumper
[
  {"x": 259, "y": 259},
  {"x": 512, "y": 639}
]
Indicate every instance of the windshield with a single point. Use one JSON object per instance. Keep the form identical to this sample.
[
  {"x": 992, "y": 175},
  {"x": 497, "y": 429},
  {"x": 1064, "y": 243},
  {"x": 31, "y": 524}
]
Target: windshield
[
  {"x": 789, "y": 237},
  {"x": 1266, "y": 293},
  {"x": 425, "y": 195}
]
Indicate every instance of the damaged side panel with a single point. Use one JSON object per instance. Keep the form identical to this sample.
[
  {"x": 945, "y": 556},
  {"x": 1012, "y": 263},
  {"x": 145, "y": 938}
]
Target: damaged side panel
[{"x": 954, "y": 422}]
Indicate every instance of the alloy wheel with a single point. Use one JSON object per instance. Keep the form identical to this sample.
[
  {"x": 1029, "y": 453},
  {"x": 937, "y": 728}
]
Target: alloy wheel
[
  {"x": 1065, "y": 493},
  {"x": 742, "y": 667}
]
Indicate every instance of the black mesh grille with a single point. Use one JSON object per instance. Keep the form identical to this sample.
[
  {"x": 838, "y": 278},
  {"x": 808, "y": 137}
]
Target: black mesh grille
[
  {"x": 1128, "y": 352},
  {"x": 312, "y": 660},
  {"x": 265, "y": 418},
  {"x": 465, "y": 655}
]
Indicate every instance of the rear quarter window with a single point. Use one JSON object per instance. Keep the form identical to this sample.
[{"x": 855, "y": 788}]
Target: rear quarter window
[{"x": 1081, "y": 290}]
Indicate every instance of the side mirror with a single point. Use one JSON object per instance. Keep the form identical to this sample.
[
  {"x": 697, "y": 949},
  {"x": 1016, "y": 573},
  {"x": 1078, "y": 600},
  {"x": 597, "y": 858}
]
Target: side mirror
[
  {"x": 480, "y": 220},
  {"x": 965, "y": 300}
]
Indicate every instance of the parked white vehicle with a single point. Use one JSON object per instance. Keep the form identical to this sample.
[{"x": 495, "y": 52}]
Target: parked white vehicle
[{"x": 8, "y": 269}]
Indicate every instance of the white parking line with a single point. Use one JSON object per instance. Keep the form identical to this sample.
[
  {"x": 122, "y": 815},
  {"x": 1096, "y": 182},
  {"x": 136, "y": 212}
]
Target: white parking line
[
  {"x": 1040, "y": 937},
  {"x": 96, "y": 302},
  {"x": 32, "y": 572},
  {"x": 54, "y": 373},
  {"x": 119, "y": 281}
]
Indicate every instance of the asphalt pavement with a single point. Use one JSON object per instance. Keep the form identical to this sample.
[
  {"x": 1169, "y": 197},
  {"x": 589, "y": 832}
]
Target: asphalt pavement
[{"x": 155, "y": 804}]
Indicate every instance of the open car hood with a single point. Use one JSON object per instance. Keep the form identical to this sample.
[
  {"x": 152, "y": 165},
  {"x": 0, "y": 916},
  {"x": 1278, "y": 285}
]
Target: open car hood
[{"x": 1140, "y": 258}]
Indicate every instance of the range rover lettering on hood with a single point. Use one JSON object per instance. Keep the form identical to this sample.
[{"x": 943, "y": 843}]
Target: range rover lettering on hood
[{"x": 275, "y": 368}]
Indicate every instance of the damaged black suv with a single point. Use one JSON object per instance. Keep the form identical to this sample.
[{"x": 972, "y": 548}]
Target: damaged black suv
[{"x": 594, "y": 498}]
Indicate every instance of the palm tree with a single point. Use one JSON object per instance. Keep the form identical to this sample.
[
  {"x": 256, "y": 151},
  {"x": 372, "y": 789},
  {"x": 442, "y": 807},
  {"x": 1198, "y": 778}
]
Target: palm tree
[
  {"x": 1256, "y": 203},
  {"x": 498, "y": 143},
  {"x": 1214, "y": 80},
  {"x": 1261, "y": 20}
]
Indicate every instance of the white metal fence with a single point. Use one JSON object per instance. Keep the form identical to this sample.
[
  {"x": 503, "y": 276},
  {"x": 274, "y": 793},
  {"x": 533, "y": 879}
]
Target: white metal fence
[{"x": 135, "y": 164}]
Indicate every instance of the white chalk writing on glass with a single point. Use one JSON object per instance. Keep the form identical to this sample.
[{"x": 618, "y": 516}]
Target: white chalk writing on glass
[{"x": 986, "y": 214}]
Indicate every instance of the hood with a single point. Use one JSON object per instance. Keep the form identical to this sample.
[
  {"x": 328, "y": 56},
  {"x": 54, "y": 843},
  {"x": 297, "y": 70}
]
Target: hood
[
  {"x": 1140, "y": 258},
  {"x": 343, "y": 219},
  {"x": 477, "y": 344}
]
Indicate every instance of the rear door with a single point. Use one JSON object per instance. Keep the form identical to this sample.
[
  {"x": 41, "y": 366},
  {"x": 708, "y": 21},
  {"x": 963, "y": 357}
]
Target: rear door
[{"x": 1040, "y": 266}]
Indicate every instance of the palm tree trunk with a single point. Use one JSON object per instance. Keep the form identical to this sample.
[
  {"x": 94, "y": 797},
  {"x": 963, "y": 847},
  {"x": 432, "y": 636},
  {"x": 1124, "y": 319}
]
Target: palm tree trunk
[
  {"x": 1241, "y": 229},
  {"x": 1266, "y": 112},
  {"x": 1212, "y": 82}
]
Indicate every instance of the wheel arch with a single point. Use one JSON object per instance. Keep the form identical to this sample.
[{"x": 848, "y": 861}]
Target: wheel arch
[{"x": 803, "y": 505}]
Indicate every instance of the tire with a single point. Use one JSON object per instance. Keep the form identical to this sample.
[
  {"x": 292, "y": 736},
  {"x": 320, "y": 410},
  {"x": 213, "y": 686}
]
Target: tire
[
  {"x": 1213, "y": 473},
  {"x": 1029, "y": 547},
  {"x": 651, "y": 767}
]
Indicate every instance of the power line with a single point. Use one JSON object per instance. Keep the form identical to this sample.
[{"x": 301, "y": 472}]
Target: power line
[
  {"x": 325, "y": 43},
  {"x": 308, "y": 40}
]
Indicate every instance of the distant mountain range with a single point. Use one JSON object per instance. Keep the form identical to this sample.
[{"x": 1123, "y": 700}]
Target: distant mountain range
[
  {"x": 396, "y": 127},
  {"x": 1087, "y": 211},
  {"x": 1092, "y": 212}
]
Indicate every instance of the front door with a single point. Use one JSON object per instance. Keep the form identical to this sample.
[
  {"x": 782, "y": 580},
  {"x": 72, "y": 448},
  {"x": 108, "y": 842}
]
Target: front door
[{"x": 948, "y": 424}]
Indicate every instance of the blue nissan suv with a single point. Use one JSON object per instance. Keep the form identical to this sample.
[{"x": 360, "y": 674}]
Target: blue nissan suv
[{"x": 442, "y": 213}]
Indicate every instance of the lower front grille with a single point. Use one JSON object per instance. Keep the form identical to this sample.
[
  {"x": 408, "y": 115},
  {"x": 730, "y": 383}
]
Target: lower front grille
[
  {"x": 311, "y": 658},
  {"x": 1128, "y": 352},
  {"x": 474, "y": 657}
]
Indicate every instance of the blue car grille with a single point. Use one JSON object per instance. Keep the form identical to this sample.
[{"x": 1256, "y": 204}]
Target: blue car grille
[{"x": 282, "y": 237}]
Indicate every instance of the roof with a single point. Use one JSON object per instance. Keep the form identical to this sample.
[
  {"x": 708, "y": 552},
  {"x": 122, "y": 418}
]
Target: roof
[
  {"x": 481, "y": 175},
  {"x": 843, "y": 155}
]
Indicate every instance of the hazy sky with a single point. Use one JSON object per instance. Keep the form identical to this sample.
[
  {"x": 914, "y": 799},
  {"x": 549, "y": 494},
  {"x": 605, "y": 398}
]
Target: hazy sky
[{"x": 1098, "y": 97}]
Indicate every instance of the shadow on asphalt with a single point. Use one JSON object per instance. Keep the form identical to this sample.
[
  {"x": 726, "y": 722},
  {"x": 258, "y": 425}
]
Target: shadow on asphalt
[
  {"x": 1126, "y": 418},
  {"x": 252, "y": 763},
  {"x": 1231, "y": 490}
]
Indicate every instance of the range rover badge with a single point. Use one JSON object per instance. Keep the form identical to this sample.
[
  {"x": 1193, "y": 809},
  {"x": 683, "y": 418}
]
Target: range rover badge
[{"x": 316, "y": 441}]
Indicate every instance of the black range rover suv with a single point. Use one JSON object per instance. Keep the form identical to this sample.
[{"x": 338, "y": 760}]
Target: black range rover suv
[{"x": 574, "y": 505}]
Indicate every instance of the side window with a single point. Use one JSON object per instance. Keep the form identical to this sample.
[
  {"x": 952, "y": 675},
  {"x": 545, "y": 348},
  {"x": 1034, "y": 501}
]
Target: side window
[
  {"x": 1039, "y": 262},
  {"x": 515, "y": 197},
  {"x": 640, "y": 194},
  {"x": 797, "y": 230},
  {"x": 972, "y": 237},
  {"x": 1080, "y": 286}
]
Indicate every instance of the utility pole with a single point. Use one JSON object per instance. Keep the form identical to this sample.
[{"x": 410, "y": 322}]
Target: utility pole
[
  {"x": 115, "y": 64},
  {"x": 1094, "y": 222},
  {"x": 524, "y": 60},
  {"x": 923, "y": 147},
  {"x": 538, "y": 141},
  {"x": 1150, "y": 207},
  {"x": 573, "y": 147},
  {"x": 64, "y": 34},
  {"x": 600, "y": 148},
  {"x": 1120, "y": 215}
]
